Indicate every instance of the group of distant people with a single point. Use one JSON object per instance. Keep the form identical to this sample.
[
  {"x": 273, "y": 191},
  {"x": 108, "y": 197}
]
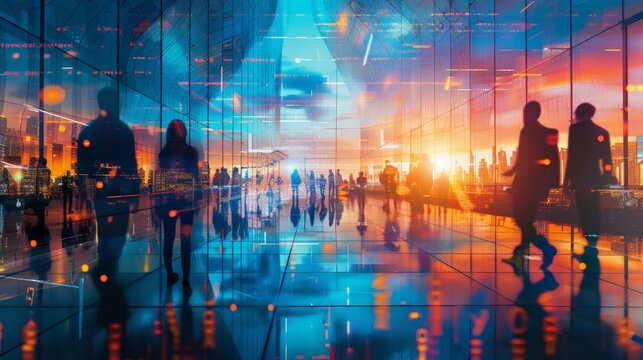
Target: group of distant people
[
  {"x": 333, "y": 182},
  {"x": 419, "y": 184}
]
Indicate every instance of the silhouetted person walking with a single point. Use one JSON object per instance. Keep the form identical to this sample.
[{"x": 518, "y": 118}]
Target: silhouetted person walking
[
  {"x": 295, "y": 181},
  {"x": 339, "y": 180},
  {"x": 537, "y": 169},
  {"x": 311, "y": 183},
  {"x": 217, "y": 182},
  {"x": 225, "y": 184},
  {"x": 589, "y": 167},
  {"x": 107, "y": 157},
  {"x": 361, "y": 188},
  {"x": 322, "y": 186},
  {"x": 425, "y": 182},
  {"x": 415, "y": 194},
  {"x": 390, "y": 178},
  {"x": 68, "y": 192},
  {"x": 181, "y": 159},
  {"x": 442, "y": 191},
  {"x": 331, "y": 183}
]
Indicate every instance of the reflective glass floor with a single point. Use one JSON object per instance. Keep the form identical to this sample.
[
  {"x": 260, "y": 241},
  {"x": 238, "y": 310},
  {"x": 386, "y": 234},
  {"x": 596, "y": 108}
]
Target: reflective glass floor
[{"x": 337, "y": 281}]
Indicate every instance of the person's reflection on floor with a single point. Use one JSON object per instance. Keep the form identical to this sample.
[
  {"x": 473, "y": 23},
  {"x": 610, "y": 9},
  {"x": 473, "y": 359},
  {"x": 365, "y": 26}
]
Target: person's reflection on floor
[
  {"x": 323, "y": 211},
  {"x": 537, "y": 169},
  {"x": 295, "y": 213},
  {"x": 236, "y": 218},
  {"x": 391, "y": 231},
  {"x": 312, "y": 212},
  {"x": 529, "y": 319},
  {"x": 339, "y": 211},
  {"x": 67, "y": 235},
  {"x": 586, "y": 311},
  {"x": 107, "y": 157},
  {"x": 331, "y": 211},
  {"x": 39, "y": 248},
  {"x": 220, "y": 219}
]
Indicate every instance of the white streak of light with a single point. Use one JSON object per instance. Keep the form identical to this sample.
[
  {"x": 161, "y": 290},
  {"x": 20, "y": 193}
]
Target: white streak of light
[
  {"x": 55, "y": 115},
  {"x": 368, "y": 49}
]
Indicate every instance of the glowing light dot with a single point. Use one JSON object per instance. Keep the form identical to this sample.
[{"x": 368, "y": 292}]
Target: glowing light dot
[
  {"x": 84, "y": 267},
  {"x": 582, "y": 266},
  {"x": 27, "y": 138},
  {"x": 271, "y": 307},
  {"x": 99, "y": 185},
  {"x": 600, "y": 138},
  {"x": 110, "y": 219},
  {"x": 103, "y": 113},
  {"x": 33, "y": 243},
  {"x": 61, "y": 128},
  {"x": 630, "y": 87},
  {"x": 52, "y": 94},
  {"x": 172, "y": 213},
  {"x": 103, "y": 278},
  {"x": 608, "y": 167},
  {"x": 233, "y": 307},
  {"x": 86, "y": 143},
  {"x": 297, "y": 60},
  {"x": 547, "y": 162},
  {"x": 15, "y": 56},
  {"x": 414, "y": 315}
]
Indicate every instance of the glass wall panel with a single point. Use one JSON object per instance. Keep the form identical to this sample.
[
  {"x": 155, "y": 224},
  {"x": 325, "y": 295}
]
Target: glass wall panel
[{"x": 590, "y": 18}]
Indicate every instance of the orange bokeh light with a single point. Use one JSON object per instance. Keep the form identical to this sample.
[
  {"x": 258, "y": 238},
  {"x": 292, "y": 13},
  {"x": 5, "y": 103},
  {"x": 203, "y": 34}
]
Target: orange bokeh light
[
  {"x": 103, "y": 278},
  {"x": 33, "y": 243},
  {"x": 172, "y": 213},
  {"x": 86, "y": 143},
  {"x": 52, "y": 94},
  {"x": 233, "y": 307}
]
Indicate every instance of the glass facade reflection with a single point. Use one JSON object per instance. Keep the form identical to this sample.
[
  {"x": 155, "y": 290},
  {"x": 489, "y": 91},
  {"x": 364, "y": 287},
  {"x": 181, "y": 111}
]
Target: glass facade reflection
[{"x": 283, "y": 263}]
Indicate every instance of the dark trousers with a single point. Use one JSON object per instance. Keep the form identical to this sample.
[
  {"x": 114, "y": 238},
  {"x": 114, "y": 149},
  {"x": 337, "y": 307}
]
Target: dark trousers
[
  {"x": 589, "y": 211},
  {"x": 525, "y": 206},
  {"x": 67, "y": 201},
  {"x": 169, "y": 230}
]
